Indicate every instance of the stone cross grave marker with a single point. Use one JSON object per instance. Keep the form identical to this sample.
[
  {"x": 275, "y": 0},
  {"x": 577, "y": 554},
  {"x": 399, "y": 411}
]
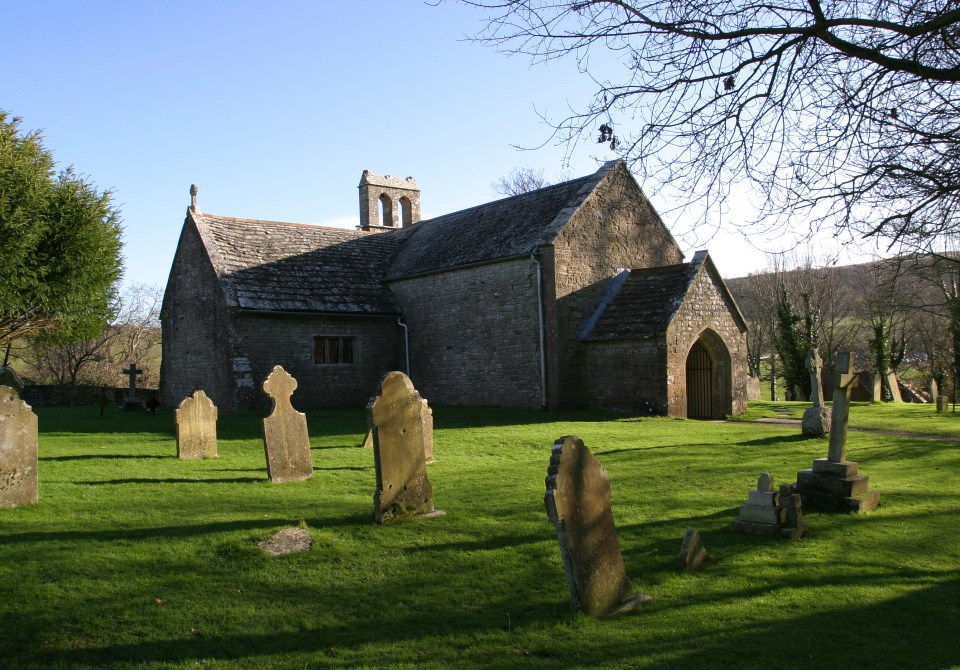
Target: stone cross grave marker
[
  {"x": 132, "y": 401},
  {"x": 844, "y": 380},
  {"x": 196, "y": 427},
  {"x": 285, "y": 438},
  {"x": 396, "y": 420},
  {"x": 18, "y": 451},
  {"x": 578, "y": 504}
]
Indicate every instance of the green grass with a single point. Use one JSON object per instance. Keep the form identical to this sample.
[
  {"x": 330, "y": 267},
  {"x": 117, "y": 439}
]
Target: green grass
[{"x": 134, "y": 559}]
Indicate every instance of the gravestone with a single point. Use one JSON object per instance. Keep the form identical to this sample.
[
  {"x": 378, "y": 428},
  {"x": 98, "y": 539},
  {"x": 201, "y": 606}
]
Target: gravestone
[
  {"x": 287, "y": 541},
  {"x": 426, "y": 416},
  {"x": 578, "y": 504},
  {"x": 833, "y": 483},
  {"x": 934, "y": 389},
  {"x": 132, "y": 402},
  {"x": 396, "y": 420},
  {"x": 770, "y": 512},
  {"x": 816, "y": 419},
  {"x": 894, "y": 385},
  {"x": 10, "y": 378},
  {"x": 943, "y": 403},
  {"x": 18, "y": 451},
  {"x": 285, "y": 438},
  {"x": 367, "y": 440},
  {"x": 693, "y": 552},
  {"x": 196, "y": 427}
]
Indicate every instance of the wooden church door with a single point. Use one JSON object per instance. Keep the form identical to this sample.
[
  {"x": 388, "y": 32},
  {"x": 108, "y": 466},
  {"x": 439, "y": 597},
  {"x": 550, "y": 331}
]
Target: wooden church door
[{"x": 699, "y": 383}]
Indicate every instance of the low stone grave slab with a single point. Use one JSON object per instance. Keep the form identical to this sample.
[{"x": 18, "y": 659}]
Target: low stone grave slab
[
  {"x": 577, "y": 501},
  {"x": 287, "y": 541},
  {"x": 19, "y": 483}
]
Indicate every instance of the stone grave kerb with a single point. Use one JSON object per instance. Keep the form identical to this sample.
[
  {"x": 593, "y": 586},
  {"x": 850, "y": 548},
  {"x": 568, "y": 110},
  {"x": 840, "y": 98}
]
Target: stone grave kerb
[{"x": 844, "y": 381}]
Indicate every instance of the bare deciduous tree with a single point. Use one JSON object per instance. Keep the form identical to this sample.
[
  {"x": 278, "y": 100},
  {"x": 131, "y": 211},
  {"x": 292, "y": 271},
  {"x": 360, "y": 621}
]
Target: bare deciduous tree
[
  {"x": 848, "y": 111},
  {"x": 519, "y": 180}
]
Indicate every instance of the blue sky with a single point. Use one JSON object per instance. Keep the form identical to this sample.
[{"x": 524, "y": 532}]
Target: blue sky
[{"x": 275, "y": 109}]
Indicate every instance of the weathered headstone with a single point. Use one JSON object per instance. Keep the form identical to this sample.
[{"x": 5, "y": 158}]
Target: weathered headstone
[
  {"x": 396, "y": 419},
  {"x": 132, "y": 402},
  {"x": 770, "y": 512},
  {"x": 578, "y": 503},
  {"x": 10, "y": 378},
  {"x": 285, "y": 438},
  {"x": 934, "y": 390},
  {"x": 196, "y": 427},
  {"x": 426, "y": 416},
  {"x": 693, "y": 552},
  {"x": 894, "y": 385},
  {"x": 816, "y": 419},
  {"x": 367, "y": 440},
  {"x": 833, "y": 483},
  {"x": 18, "y": 451},
  {"x": 943, "y": 403}
]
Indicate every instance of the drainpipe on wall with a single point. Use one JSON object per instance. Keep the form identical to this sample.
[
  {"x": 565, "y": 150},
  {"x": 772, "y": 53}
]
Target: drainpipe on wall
[
  {"x": 543, "y": 354},
  {"x": 406, "y": 343}
]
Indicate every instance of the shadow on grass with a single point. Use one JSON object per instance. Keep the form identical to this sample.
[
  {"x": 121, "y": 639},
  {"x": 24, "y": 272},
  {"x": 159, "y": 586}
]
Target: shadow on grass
[
  {"x": 107, "y": 457},
  {"x": 172, "y": 480}
]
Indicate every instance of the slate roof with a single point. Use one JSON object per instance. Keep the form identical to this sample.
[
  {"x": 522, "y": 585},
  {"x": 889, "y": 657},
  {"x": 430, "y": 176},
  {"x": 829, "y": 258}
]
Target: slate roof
[
  {"x": 505, "y": 228},
  {"x": 268, "y": 265},
  {"x": 642, "y": 304}
]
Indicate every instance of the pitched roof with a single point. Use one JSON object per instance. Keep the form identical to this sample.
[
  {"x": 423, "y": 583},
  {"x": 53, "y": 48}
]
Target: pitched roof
[
  {"x": 505, "y": 228},
  {"x": 640, "y": 304},
  {"x": 268, "y": 265}
]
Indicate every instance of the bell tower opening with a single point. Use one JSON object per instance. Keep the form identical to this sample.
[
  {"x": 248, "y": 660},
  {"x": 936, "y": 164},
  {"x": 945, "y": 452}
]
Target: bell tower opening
[{"x": 383, "y": 198}]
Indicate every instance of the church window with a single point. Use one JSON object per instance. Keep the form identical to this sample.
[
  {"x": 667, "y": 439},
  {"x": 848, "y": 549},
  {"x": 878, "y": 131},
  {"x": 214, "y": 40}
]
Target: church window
[{"x": 334, "y": 350}]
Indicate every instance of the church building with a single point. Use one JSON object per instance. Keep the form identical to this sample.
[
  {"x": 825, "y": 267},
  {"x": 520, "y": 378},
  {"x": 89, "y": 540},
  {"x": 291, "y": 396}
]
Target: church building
[{"x": 573, "y": 295}]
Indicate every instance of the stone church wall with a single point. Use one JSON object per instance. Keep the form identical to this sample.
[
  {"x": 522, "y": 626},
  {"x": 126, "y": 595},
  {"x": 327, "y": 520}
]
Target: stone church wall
[
  {"x": 616, "y": 228},
  {"x": 627, "y": 376},
  {"x": 194, "y": 320},
  {"x": 705, "y": 307},
  {"x": 474, "y": 334},
  {"x": 288, "y": 340}
]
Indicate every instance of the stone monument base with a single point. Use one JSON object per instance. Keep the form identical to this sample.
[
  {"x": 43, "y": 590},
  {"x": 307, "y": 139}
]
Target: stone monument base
[
  {"x": 836, "y": 487},
  {"x": 771, "y": 513},
  {"x": 816, "y": 421}
]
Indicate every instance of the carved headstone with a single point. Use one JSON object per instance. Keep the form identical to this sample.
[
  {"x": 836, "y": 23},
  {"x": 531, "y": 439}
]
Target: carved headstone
[
  {"x": 693, "y": 553},
  {"x": 833, "y": 483},
  {"x": 196, "y": 427},
  {"x": 578, "y": 504},
  {"x": 18, "y": 451},
  {"x": 934, "y": 389},
  {"x": 285, "y": 438},
  {"x": 396, "y": 420},
  {"x": 10, "y": 378},
  {"x": 426, "y": 416}
]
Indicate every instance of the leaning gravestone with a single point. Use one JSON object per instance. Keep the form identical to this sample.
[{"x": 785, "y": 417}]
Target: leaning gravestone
[
  {"x": 285, "y": 438},
  {"x": 578, "y": 504},
  {"x": 18, "y": 451},
  {"x": 693, "y": 552},
  {"x": 833, "y": 483},
  {"x": 816, "y": 418},
  {"x": 396, "y": 420},
  {"x": 10, "y": 378},
  {"x": 196, "y": 427}
]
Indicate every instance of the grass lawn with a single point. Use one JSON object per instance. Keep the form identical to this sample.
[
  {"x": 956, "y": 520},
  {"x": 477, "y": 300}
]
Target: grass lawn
[{"x": 134, "y": 559}]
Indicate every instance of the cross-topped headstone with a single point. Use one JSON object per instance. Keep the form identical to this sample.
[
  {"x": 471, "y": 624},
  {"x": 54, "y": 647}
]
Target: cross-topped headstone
[
  {"x": 285, "y": 438},
  {"x": 844, "y": 380},
  {"x": 814, "y": 364},
  {"x": 132, "y": 372}
]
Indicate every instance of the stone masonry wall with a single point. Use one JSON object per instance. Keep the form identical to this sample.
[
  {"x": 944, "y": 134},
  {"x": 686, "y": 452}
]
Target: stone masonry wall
[
  {"x": 474, "y": 334},
  {"x": 614, "y": 229},
  {"x": 194, "y": 321},
  {"x": 705, "y": 308},
  {"x": 627, "y": 376},
  {"x": 264, "y": 341}
]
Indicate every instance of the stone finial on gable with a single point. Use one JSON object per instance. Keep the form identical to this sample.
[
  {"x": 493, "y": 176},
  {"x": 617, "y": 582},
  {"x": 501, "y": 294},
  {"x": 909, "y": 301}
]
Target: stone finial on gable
[
  {"x": 388, "y": 202},
  {"x": 193, "y": 198}
]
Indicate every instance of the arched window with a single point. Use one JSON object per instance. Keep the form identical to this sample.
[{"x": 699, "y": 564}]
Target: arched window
[
  {"x": 406, "y": 212},
  {"x": 386, "y": 211}
]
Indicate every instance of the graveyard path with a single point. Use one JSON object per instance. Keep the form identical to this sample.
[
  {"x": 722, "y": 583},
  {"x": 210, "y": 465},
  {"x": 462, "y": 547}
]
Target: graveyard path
[{"x": 785, "y": 421}]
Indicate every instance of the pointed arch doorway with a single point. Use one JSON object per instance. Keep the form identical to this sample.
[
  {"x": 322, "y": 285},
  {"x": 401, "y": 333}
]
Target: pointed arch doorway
[{"x": 709, "y": 390}]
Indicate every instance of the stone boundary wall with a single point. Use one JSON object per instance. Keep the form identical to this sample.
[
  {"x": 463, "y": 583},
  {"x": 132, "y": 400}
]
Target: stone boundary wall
[{"x": 41, "y": 395}]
